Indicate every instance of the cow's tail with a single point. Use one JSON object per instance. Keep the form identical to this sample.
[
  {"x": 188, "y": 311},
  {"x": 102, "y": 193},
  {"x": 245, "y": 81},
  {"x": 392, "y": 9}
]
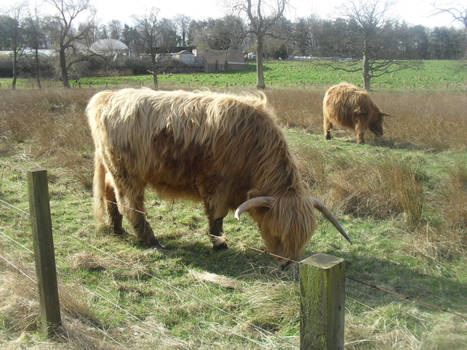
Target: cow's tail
[{"x": 99, "y": 189}]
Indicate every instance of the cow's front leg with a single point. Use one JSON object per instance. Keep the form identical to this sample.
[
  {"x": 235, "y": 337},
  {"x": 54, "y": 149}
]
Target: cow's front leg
[
  {"x": 360, "y": 131},
  {"x": 216, "y": 210},
  {"x": 216, "y": 234}
]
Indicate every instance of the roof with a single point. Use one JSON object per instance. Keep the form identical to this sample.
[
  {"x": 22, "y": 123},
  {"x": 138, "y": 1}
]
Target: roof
[{"x": 108, "y": 45}]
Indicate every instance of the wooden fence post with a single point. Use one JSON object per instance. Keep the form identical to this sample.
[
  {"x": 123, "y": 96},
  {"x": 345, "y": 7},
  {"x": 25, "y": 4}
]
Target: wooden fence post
[
  {"x": 41, "y": 223},
  {"x": 322, "y": 303}
]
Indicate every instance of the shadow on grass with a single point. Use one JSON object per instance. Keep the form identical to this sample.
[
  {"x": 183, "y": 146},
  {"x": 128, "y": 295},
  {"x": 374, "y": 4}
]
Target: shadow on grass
[
  {"x": 437, "y": 290},
  {"x": 247, "y": 264}
]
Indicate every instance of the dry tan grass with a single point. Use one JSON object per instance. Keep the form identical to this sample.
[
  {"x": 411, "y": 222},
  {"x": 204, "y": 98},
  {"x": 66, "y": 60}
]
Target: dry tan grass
[
  {"x": 428, "y": 120},
  {"x": 19, "y": 309}
]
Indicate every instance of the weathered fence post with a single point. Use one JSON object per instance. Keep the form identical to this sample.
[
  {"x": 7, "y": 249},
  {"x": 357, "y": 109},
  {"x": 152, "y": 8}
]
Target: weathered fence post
[
  {"x": 41, "y": 223},
  {"x": 322, "y": 303}
]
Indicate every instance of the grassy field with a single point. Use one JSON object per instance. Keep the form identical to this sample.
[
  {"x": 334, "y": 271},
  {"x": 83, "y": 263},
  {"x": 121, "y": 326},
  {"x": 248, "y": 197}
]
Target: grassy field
[
  {"x": 401, "y": 198},
  {"x": 429, "y": 75}
]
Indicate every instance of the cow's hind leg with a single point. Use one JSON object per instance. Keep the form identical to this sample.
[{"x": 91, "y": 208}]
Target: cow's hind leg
[
  {"x": 327, "y": 126},
  {"x": 130, "y": 199},
  {"x": 112, "y": 208}
]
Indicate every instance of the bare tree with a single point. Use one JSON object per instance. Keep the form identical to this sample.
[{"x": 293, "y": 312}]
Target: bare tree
[
  {"x": 63, "y": 33},
  {"x": 182, "y": 23},
  {"x": 147, "y": 27},
  {"x": 458, "y": 13},
  {"x": 34, "y": 37},
  {"x": 370, "y": 21},
  {"x": 16, "y": 14},
  {"x": 262, "y": 16}
]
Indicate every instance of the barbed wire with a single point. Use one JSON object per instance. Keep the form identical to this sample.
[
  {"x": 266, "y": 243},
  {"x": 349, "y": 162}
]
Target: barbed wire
[
  {"x": 11, "y": 206},
  {"x": 405, "y": 297}
]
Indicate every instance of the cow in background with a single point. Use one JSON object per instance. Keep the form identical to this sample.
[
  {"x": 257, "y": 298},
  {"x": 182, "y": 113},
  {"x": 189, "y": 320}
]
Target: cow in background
[{"x": 347, "y": 106}]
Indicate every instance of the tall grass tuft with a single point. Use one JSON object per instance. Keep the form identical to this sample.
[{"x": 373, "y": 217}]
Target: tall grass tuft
[{"x": 402, "y": 182}]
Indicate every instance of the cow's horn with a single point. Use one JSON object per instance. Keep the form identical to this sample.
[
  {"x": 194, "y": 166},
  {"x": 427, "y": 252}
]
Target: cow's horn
[
  {"x": 263, "y": 201},
  {"x": 387, "y": 115},
  {"x": 325, "y": 211}
]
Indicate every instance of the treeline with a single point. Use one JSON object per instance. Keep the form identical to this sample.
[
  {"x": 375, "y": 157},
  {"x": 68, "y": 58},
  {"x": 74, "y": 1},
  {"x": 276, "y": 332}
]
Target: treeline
[{"x": 311, "y": 36}]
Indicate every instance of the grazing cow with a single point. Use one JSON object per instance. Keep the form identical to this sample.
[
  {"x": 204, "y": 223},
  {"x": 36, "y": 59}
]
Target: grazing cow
[
  {"x": 224, "y": 150},
  {"x": 347, "y": 106}
]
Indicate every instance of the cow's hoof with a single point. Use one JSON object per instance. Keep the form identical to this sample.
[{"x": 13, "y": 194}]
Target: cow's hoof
[
  {"x": 154, "y": 243},
  {"x": 221, "y": 246},
  {"x": 120, "y": 232}
]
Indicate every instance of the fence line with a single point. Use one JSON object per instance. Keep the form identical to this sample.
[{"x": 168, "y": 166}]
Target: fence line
[{"x": 265, "y": 252}]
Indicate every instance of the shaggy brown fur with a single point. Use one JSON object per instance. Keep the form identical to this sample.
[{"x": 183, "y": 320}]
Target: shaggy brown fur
[
  {"x": 217, "y": 148},
  {"x": 347, "y": 106}
]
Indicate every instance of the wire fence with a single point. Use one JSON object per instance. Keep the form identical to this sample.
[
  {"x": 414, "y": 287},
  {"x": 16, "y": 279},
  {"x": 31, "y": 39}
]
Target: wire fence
[{"x": 177, "y": 342}]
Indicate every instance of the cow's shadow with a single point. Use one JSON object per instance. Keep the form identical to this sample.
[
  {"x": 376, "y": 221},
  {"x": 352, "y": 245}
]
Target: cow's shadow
[{"x": 246, "y": 264}]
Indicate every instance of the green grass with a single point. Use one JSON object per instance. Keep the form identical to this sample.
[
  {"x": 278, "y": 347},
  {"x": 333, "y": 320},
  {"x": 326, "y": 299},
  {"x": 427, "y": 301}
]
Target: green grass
[
  {"x": 429, "y": 76},
  {"x": 384, "y": 253}
]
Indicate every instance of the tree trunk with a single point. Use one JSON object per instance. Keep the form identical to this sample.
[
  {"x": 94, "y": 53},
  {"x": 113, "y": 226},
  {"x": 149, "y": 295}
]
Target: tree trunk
[
  {"x": 154, "y": 78},
  {"x": 366, "y": 67},
  {"x": 37, "y": 68},
  {"x": 63, "y": 67},
  {"x": 259, "y": 63},
  {"x": 15, "y": 68}
]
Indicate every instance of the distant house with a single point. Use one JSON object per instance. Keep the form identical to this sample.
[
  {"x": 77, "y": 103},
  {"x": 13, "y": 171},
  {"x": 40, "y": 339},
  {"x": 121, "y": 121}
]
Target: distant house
[
  {"x": 187, "y": 58},
  {"x": 221, "y": 60},
  {"x": 110, "y": 48}
]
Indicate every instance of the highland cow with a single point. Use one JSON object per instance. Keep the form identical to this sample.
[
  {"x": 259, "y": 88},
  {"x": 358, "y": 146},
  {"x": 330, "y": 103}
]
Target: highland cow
[
  {"x": 224, "y": 150},
  {"x": 347, "y": 106}
]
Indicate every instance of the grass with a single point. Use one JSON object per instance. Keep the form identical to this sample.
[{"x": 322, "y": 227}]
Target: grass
[
  {"x": 429, "y": 76},
  {"x": 401, "y": 199}
]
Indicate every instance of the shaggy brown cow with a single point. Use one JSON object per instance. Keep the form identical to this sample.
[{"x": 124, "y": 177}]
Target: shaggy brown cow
[
  {"x": 224, "y": 150},
  {"x": 347, "y": 106}
]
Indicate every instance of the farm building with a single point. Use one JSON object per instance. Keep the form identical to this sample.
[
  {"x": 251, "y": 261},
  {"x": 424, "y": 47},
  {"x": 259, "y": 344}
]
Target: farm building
[
  {"x": 221, "y": 60},
  {"x": 188, "y": 58}
]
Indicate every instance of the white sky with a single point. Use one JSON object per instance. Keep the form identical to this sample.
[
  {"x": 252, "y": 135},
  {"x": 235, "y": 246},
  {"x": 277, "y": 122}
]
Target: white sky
[{"x": 411, "y": 11}]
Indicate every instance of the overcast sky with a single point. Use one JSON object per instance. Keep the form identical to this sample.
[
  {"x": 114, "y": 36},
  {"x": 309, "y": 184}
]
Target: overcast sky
[{"x": 411, "y": 11}]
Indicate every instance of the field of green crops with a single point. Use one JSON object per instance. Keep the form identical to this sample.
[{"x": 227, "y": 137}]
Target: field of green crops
[{"x": 427, "y": 75}]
